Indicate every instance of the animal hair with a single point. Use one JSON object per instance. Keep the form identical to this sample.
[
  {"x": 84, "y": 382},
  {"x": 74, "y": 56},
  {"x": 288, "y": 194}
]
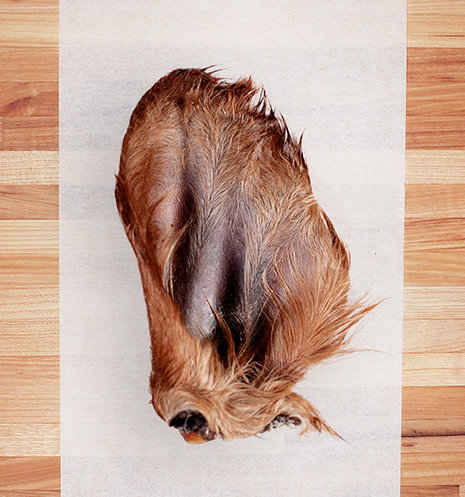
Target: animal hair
[{"x": 245, "y": 280}]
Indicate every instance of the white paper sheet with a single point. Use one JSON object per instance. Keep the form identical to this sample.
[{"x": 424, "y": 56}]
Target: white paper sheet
[{"x": 335, "y": 70}]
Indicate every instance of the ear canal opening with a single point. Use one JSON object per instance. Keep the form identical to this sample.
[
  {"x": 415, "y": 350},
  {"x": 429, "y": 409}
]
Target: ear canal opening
[{"x": 192, "y": 422}]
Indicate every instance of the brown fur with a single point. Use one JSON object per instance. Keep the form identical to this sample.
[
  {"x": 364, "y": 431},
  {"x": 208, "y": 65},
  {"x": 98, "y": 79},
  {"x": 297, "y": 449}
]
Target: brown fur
[{"x": 244, "y": 276}]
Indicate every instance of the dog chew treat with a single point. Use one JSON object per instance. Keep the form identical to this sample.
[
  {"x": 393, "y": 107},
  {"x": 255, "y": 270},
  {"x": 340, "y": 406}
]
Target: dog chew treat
[{"x": 245, "y": 279}]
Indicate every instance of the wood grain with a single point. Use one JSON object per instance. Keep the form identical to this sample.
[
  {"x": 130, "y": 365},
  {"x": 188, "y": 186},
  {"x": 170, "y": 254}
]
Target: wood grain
[
  {"x": 28, "y": 64},
  {"x": 434, "y": 167},
  {"x": 433, "y": 369},
  {"x": 438, "y": 72},
  {"x": 27, "y": 29},
  {"x": 28, "y": 201},
  {"x": 29, "y": 321},
  {"x": 431, "y": 491},
  {"x": 434, "y": 303},
  {"x": 435, "y": 98},
  {"x": 30, "y": 439},
  {"x": 436, "y": 23},
  {"x": 435, "y": 132},
  {"x": 426, "y": 202},
  {"x": 29, "y": 168},
  {"x": 29, "y": 99},
  {"x": 432, "y": 427},
  {"x": 30, "y": 133},
  {"x": 441, "y": 403},
  {"x": 434, "y": 335},
  {"x": 433, "y": 460},
  {"x": 29, "y": 473},
  {"x": 28, "y": 253}
]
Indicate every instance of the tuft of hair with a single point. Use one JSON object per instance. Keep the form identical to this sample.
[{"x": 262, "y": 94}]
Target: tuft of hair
[{"x": 245, "y": 280}]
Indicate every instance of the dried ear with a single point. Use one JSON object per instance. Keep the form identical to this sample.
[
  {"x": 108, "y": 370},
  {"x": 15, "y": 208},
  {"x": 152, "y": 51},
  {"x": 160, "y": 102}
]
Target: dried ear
[{"x": 308, "y": 284}]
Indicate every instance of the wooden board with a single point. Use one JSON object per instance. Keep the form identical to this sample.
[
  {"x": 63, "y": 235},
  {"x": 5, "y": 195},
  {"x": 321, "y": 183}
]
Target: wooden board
[{"x": 433, "y": 449}]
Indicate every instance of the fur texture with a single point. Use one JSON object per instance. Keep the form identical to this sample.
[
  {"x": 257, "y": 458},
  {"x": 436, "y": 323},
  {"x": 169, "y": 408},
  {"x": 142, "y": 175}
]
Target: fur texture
[{"x": 245, "y": 279}]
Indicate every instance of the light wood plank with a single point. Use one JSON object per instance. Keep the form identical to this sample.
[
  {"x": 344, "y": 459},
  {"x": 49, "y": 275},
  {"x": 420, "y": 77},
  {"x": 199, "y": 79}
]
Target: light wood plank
[
  {"x": 29, "y": 29},
  {"x": 436, "y": 23},
  {"x": 28, "y": 201},
  {"x": 29, "y": 473},
  {"x": 29, "y": 99},
  {"x": 28, "y": 253},
  {"x": 430, "y": 491},
  {"x": 29, "y": 390},
  {"x": 428, "y": 202},
  {"x": 440, "y": 335},
  {"x": 29, "y": 237},
  {"x": 435, "y": 166},
  {"x": 433, "y": 461},
  {"x": 437, "y": 234},
  {"x": 29, "y": 64},
  {"x": 29, "y": 167},
  {"x": 435, "y": 267},
  {"x": 30, "y": 133},
  {"x": 29, "y": 321},
  {"x": 434, "y": 302},
  {"x": 33, "y": 6},
  {"x": 30, "y": 439},
  {"x": 433, "y": 369}
]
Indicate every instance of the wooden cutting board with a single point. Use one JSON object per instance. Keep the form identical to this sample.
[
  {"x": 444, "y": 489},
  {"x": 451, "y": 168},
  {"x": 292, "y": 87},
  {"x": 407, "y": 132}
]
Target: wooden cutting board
[{"x": 433, "y": 444}]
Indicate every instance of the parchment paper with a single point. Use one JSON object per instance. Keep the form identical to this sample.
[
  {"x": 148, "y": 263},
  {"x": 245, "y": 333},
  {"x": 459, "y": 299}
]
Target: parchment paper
[{"x": 334, "y": 69}]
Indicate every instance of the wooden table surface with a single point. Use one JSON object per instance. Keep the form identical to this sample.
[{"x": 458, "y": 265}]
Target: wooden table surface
[{"x": 433, "y": 424}]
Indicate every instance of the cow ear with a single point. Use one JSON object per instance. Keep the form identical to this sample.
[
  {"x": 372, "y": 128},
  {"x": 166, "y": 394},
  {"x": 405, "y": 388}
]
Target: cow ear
[{"x": 308, "y": 285}]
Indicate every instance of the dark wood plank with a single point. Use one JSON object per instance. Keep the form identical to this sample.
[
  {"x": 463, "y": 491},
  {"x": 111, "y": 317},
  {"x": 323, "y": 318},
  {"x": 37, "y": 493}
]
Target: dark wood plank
[
  {"x": 29, "y": 99},
  {"x": 31, "y": 493},
  {"x": 29, "y": 473},
  {"x": 432, "y": 68},
  {"x": 433, "y": 403},
  {"x": 435, "y": 132},
  {"x": 433, "y": 427},
  {"x": 436, "y": 82},
  {"x": 435, "y": 98},
  {"x": 30, "y": 133},
  {"x": 430, "y": 491}
]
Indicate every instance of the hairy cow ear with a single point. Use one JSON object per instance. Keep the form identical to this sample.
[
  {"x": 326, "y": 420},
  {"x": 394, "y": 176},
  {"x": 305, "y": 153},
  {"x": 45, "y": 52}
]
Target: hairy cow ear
[{"x": 308, "y": 284}]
